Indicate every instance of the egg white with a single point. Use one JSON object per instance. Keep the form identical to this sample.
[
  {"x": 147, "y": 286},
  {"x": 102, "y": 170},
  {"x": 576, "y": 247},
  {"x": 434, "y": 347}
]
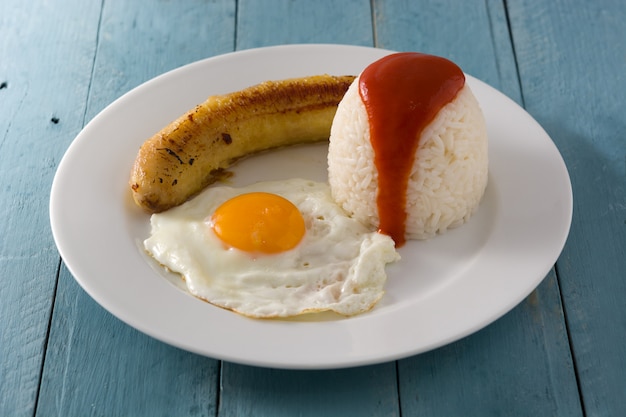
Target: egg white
[{"x": 338, "y": 266}]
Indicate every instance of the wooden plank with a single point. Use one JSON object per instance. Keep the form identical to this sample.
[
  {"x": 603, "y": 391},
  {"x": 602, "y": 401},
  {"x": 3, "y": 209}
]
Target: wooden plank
[
  {"x": 41, "y": 109},
  {"x": 276, "y": 22},
  {"x": 573, "y": 83},
  {"x": 95, "y": 364},
  {"x": 506, "y": 80},
  {"x": 247, "y": 391},
  {"x": 364, "y": 391},
  {"x": 467, "y": 377}
]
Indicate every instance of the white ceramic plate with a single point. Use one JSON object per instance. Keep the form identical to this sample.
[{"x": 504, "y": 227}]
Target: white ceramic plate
[{"x": 441, "y": 291}]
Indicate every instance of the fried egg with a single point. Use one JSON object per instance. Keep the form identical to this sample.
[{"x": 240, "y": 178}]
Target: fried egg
[{"x": 273, "y": 249}]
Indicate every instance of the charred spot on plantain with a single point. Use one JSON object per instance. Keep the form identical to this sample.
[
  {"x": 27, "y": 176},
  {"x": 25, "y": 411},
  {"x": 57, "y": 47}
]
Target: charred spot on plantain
[
  {"x": 172, "y": 153},
  {"x": 219, "y": 174},
  {"x": 227, "y": 138},
  {"x": 191, "y": 160},
  {"x": 174, "y": 182},
  {"x": 134, "y": 187}
]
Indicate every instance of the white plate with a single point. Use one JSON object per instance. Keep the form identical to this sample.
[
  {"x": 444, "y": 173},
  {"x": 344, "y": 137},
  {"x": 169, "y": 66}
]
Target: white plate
[{"x": 441, "y": 290}]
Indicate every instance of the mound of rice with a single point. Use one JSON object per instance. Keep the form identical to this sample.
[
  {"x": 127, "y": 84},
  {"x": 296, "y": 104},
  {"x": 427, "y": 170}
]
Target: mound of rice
[{"x": 449, "y": 173}]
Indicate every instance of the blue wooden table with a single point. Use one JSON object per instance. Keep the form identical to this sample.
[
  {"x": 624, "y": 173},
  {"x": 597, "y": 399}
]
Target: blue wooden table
[{"x": 560, "y": 352}]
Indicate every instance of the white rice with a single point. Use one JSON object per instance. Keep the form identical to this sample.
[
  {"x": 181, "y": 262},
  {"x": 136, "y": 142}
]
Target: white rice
[{"x": 448, "y": 177}]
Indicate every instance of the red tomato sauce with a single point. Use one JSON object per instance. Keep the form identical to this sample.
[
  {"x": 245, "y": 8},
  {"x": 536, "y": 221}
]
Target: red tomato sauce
[{"x": 403, "y": 93}]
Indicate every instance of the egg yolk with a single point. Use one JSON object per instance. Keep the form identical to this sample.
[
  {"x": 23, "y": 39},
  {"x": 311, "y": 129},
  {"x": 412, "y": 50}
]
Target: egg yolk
[{"x": 259, "y": 222}]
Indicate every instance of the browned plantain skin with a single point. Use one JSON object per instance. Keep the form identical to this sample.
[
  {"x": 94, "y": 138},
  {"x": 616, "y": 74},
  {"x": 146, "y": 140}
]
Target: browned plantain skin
[{"x": 194, "y": 150}]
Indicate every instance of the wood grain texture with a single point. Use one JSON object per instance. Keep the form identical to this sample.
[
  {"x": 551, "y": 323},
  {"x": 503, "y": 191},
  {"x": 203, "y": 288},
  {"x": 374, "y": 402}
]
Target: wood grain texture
[
  {"x": 41, "y": 109},
  {"x": 572, "y": 57},
  {"x": 276, "y": 22},
  {"x": 95, "y": 364},
  {"x": 364, "y": 391},
  {"x": 449, "y": 381}
]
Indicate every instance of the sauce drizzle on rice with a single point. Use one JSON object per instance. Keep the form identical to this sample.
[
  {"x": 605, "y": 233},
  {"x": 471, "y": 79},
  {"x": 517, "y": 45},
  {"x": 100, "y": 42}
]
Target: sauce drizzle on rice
[{"x": 403, "y": 93}]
